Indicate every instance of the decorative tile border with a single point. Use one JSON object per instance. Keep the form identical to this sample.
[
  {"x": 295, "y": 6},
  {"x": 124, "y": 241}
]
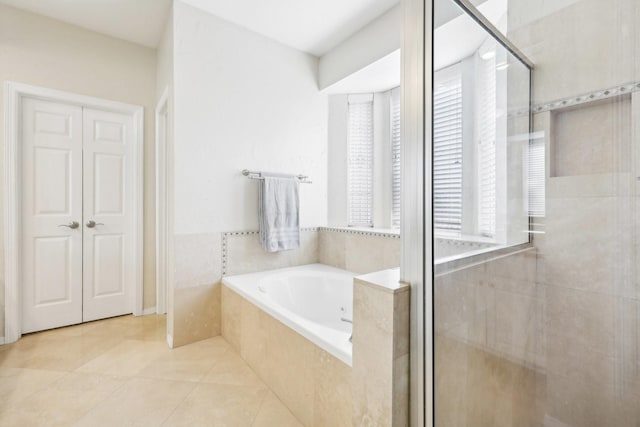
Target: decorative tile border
[
  {"x": 579, "y": 99},
  {"x": 587, "y": 97},
  {"x": 358, "y": 232}
]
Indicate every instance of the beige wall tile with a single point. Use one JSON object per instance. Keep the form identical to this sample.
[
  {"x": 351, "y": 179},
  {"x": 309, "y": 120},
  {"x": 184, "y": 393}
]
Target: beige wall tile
[
  {"x": 245, "y": 255},
  {"x": 358, "y": 253},
  {"x": 366, "y": 254},
  {"x": 332, "y": 248},
  {"x": 401, "y": 308},
  {"x": 583, "y": 256},
  {"x": 198, "y": 259},
  {"x": 566, "y": 44},
  {"x": 332, "y": 401},
  {"x": 231, "y": 323},
  {"x": 581, "y": 317},
  {"x": 591, "y": 139},
  {"x": 373, "y": 348},
  {"x": 291, "y": 377},
  {"x": 196, "y": 313},
  {"x": 254, "y": 342},
  {"x": 400, "y": 415}
]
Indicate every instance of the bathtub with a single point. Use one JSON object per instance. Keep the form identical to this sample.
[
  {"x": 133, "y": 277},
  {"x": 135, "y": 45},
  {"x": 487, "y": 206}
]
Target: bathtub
[{"x": 310, "y": 299}]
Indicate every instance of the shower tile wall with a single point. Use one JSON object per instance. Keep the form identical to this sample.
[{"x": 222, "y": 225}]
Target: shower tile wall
[
  {"x": 588, "y": 256},
  {"x": 490, "y": 343}
]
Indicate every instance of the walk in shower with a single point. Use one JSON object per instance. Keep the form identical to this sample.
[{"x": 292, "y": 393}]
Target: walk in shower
[{"x": 536, "y": 184}]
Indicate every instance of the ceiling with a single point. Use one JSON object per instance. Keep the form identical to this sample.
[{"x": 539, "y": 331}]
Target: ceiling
[
  {"x": 138, "y": 21},
  {"x": 313, "y": 26}
]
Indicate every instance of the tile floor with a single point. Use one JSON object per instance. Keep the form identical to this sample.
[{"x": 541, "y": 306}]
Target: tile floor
[{"x": 120, "y": 372}]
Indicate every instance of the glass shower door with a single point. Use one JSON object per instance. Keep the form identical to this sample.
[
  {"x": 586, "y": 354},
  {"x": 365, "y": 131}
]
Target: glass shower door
[{"x": 536, "y": 297}]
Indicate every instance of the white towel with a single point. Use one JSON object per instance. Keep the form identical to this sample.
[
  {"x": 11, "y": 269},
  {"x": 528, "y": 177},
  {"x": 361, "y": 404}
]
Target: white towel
[{"x": 278, "y": 210}]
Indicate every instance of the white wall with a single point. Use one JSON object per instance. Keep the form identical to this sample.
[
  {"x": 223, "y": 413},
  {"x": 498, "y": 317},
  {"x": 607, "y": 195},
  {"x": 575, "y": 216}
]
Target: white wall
[
  {"x": 242, "y": 101},
  {"x": 164, "y": 81},
  {"x": 376, "y": 40},
  {"x": 44, "y": 52}
]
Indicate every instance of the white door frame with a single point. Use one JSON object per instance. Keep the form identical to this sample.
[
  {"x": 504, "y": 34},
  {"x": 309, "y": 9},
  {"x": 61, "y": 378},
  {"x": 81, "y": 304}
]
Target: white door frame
[
  {"x": 162, "y": 204},
  {"x": 13, "y": 95}
]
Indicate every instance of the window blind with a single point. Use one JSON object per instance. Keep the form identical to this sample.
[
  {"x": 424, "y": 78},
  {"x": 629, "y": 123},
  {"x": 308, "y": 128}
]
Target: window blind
[
  {"x": 447, "y": 155},
  {"x": 535, "y": 178},
  {"x": 487, "y": 148},
  {"x": 360, "y": 161},
  {"x": 395, "y": 157}
]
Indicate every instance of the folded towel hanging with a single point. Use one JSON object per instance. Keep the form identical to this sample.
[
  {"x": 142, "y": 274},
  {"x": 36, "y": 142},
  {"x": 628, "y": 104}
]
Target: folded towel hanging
[{"x": 279, "y": 212}]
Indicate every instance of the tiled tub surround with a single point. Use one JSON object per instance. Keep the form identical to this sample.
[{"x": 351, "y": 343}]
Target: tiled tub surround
[
  {"x": 311, "y": 299},
  {"x": 357, "y": 250},
  {"x": 313, "y": 384},
  {"x": 381, "y": 350},
  {"x": 203, "y": 259}
]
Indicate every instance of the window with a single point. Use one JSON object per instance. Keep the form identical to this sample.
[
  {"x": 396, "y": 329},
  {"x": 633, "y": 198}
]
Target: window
[
  {"x": 360, "y": 161},
  {"x": 487, "y": 147},
  {"x": 394, "y": 121},
  {"x": 447, "y": 154}
]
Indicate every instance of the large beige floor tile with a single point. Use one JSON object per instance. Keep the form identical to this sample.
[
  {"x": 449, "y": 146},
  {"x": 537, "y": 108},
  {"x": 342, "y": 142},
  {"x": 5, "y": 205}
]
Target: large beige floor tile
[
  {"x": 187, "y": 363},
  {"x": 274, "y": 413},
  {"x": 17, "y": 384},
  {"x": 139, "y": 402},
  {"x": 219, "y": 405},
  {"x": 68, "y": 353},
  {"x": 62, "y": 403},
  {"x": 229, "y": 368},
  {"x": 127, "y": 358}
]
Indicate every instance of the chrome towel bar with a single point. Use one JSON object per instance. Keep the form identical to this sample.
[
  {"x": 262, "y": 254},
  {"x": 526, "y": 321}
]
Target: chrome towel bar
[{"x": 304, "y": 179}]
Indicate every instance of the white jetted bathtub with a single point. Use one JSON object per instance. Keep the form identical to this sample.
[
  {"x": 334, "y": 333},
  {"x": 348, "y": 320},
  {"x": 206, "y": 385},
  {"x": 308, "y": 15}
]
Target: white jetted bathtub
[{"x": 310, "y": 299}]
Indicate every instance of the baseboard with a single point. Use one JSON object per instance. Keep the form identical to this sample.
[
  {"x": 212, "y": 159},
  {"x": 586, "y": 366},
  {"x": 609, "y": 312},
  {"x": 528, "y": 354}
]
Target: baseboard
[
  {"x": 1, "y": 340},
  {"x": 170, "y": 340},
  {"x": 147, "y": 311}
]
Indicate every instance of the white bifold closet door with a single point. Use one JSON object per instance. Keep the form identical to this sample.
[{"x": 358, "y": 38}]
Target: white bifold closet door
[{"x": 77, "y": 220}]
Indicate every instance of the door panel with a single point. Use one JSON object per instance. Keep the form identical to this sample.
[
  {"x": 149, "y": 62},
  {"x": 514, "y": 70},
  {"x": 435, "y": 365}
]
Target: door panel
[
  {"x": 51, "y": 197},
  {"x": 52, "y": 282},
  {"x": 109, "y": 274},
  {"x": 109, "y": 177}
]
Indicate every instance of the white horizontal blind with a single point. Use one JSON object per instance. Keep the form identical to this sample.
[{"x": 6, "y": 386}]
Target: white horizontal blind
[
  {"x": 535, "y": 178},
  {"x": 360, "y": 161},
  {"x": 395, "y": 157},
  {"x": 487, "y": 148},
  {"x": 447, "y": 155}
]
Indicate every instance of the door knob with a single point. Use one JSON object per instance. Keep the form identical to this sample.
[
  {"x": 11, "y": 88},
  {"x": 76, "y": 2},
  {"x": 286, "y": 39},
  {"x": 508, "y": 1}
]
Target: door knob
[
  {"x": 92, "y": 224},
  {"x": 72, "y": 225}
]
